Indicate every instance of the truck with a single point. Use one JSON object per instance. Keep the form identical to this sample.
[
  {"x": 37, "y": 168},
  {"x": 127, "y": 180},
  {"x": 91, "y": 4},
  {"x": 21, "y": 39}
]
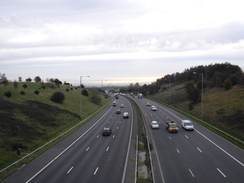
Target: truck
[
  {"x": 116, "y": 96},
  {"x": 172, "y": 127},
  {"x": 139, "y": 95}
]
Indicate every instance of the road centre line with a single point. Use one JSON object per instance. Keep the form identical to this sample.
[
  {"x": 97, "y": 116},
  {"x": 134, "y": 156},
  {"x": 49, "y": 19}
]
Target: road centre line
[
  {"x": 221, "y": 172},
  {"x": 70, "y": 170},
  {"x": 67, "y": 147}
]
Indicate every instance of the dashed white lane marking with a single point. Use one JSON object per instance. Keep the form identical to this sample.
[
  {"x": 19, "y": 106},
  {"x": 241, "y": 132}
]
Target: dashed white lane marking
[
  {"x": 186, "y": 136},
  {"x": 107, "y": 149},
  {"x": 178, "y": 150},
  {"x": 70, "y": 170},
  {"x": 96, "y": 170},
  {"x": 87, "y": 148},
  {"x": 191, "y": 172},
  {"x": 199, "y": 149},
  {"x": 221, "y": 172}
]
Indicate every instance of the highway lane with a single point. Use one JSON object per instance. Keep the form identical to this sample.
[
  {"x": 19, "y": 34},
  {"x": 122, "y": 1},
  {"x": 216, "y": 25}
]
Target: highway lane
[
  {"x": 190, "y": 156},
  {"x": 91, "y": 157}
]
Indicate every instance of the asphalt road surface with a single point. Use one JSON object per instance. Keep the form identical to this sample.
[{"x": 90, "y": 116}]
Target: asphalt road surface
[
  {"x": 87, "y": 156},
  {"x": 189, "y": 156}
]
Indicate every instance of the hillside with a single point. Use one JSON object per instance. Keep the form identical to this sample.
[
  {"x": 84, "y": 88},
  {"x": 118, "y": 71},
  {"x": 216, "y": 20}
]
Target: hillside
[{"x": 29, "y": 120}]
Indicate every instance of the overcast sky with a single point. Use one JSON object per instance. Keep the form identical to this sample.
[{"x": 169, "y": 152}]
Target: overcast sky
[{"x": 117, "y": 41}]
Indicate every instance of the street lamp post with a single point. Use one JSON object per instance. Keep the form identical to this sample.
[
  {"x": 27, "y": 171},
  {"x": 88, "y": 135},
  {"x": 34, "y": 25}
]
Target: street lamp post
[{"x": 81, "y": 94}]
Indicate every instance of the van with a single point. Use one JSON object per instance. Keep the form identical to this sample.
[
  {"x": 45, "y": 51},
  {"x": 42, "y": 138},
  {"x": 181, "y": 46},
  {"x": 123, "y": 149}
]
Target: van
[
  {"x": 114, "y": 103},
  {"x": 187, "y": 124}
]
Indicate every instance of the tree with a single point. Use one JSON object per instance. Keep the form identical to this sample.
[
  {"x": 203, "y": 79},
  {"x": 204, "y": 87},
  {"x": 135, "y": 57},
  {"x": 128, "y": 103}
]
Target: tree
[
  {"x": 15, "y": 84},
  {"x": 20, "y": 79},
  {"x": 28, "y": 80},
  {"x": 95, "y": 97},
  {"x": 24, "y": 86},
  {"x": 227, "y": 84},
  {"x": 3, "y": 79},
  {"x": 37, "y": 79}
]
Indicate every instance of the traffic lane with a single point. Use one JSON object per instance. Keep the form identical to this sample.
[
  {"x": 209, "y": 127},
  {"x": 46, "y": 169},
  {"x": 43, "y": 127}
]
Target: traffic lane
[
  {"x": 95, "y": 127},
  {"x": 78, "y": 153},
  {"x": 173, "y": 166},
  {"x": 220, "y": 174},
  {"x": 222, "y": 164},
  {"x": 115, "y": 156}
]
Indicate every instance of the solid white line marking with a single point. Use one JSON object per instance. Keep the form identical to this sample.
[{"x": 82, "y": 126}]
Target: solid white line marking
[
  {"x": 221, "y": 149},
  {"x": 87, "y": 148},
  {"x": 96, "y": 171},
  {"x": 199, "y": 149},
  {"x": 221, "y": 172},
  {"x": 107, "y": 149},
  {"x": 70, "y": 170},
  {"x": 186, "y": 136},
  {"x": 178, "y": 150},
  {"x": 191, "y": 173}
]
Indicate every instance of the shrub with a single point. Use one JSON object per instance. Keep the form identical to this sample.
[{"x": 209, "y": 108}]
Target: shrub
[
  {"x": 58, "y": 97},
  {"x": 85, "y": 93},
  {"x": 67, "y": 89},
  {"x": 227, "y": 84},
  {"x": 36, "y": 92},
  {"x": 22, "y": 93},
  {"x": 8, "y": 94},
  {"x": 24, "y": 86}
]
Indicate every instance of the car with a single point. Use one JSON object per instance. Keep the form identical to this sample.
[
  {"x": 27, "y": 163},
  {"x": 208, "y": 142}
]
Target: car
[
  {"x": 107, "y": 131},
  {"x": 187, "y": 124},
  {"x": 155, "y": 125},
  {"x": 153, "y": 108},
  {"x": 122, "y": 105},
  {"x": 114, "y": 103},
  {"x": 148, "y": 104},
  {"x": 125, "y": 115},
  {"x": 118, "y": 111}
]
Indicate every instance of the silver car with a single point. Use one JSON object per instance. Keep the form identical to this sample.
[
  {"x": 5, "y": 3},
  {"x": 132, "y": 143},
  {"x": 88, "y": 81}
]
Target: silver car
[{"x": 155, "y": 125}]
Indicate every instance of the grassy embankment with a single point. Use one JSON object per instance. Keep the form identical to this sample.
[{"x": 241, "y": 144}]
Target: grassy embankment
[
  {"x": 223, "y": 109},
  {"x": 29, "y": 121}
]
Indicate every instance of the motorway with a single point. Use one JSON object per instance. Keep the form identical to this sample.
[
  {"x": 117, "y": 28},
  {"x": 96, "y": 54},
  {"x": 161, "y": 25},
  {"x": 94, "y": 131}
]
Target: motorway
[
  {"x": 189, "y": 156},
  {"x": 86, "y": 155}
]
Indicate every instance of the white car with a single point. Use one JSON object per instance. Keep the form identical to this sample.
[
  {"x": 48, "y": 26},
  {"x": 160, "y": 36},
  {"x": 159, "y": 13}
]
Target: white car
[
  {"x": 153, "y": 108},
  {"x": 125, "y": 115},
  {"x": 187, "y": 124},
  {"x": 155, "y": 124}
]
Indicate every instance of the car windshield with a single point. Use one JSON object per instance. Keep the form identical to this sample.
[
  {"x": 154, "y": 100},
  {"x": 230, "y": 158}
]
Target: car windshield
[
  {"x": 173, "y": 125},
  {"x": 188, "y": 124}
]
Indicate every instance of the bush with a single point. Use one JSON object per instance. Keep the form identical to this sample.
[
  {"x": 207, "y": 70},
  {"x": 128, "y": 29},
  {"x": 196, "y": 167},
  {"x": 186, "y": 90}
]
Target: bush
[
  {"x": 227, "y": 84},
  {"x": 22, "y": 93},
  {"x": 67, "y": 89},
  {"x": 58, "y": 97},
  {"x": 24, "y": 86},
  {"x": 85, "y": 93},
  {"x": 8, "y": 94},
  {"x": 36, "y": 92}
]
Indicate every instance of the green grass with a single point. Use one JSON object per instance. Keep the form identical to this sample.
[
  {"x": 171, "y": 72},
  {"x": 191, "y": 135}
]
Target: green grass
[{"x": 29, "y": 121}]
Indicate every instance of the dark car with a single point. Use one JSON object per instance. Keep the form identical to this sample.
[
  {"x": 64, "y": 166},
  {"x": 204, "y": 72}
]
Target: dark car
[
  {"x": 107, "y": 131},
  {"x": 118, "y": 111}
]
